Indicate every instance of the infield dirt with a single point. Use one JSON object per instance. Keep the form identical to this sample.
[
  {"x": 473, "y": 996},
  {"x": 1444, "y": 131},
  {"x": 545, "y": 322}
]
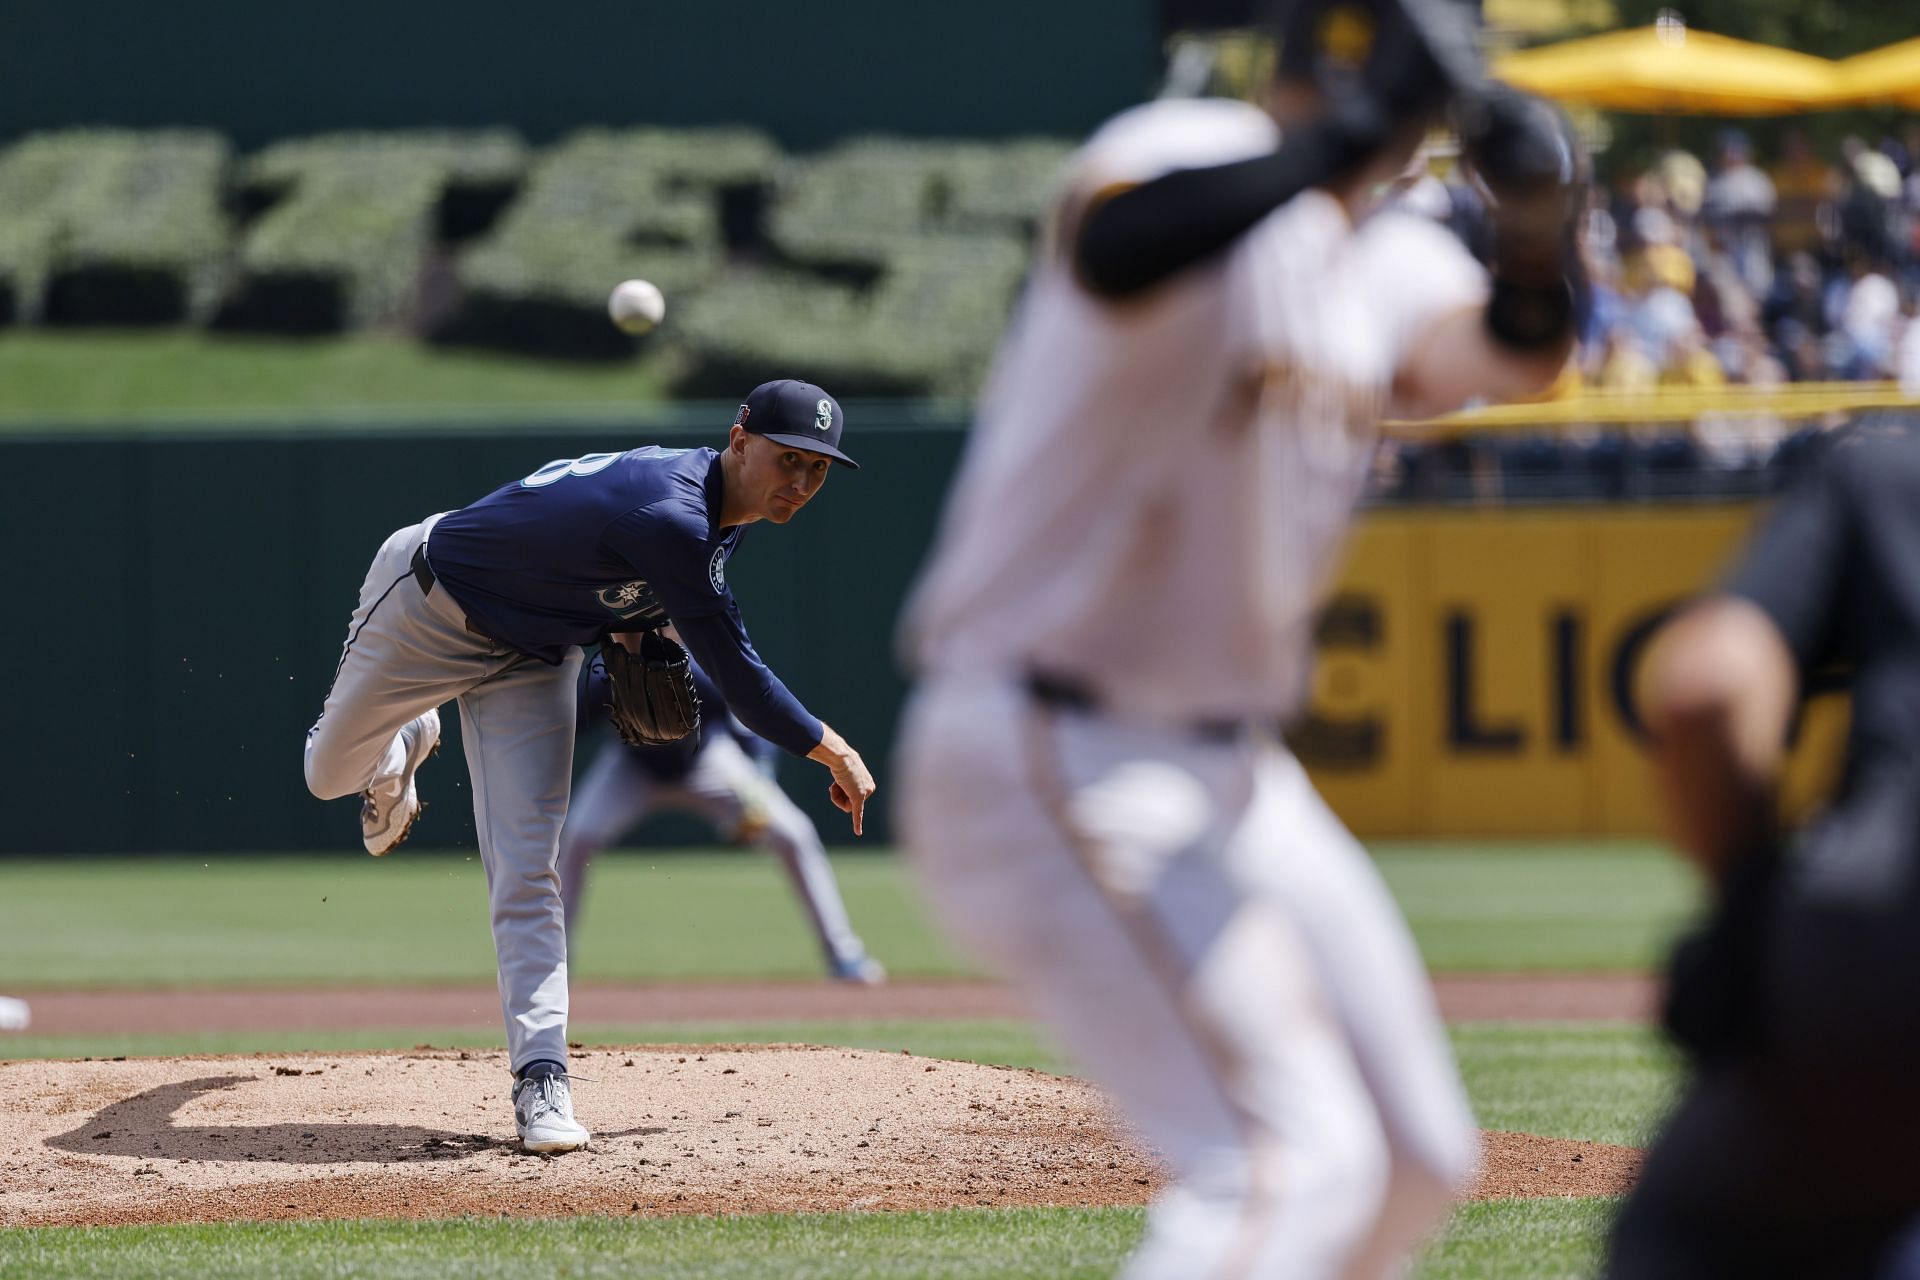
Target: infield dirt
[
  {"x": 699, "y": 1129},
  {"x": 1496, "y": 997}
]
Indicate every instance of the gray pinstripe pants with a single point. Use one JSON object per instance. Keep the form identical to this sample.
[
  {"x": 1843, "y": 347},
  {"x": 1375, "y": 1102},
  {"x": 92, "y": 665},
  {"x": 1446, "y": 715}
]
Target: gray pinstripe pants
[{"x": 408, "y": 652}]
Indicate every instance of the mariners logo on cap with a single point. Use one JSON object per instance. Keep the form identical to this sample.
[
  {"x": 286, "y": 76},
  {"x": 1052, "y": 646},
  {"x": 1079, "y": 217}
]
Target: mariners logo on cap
[{"x": 823, "y": 414}]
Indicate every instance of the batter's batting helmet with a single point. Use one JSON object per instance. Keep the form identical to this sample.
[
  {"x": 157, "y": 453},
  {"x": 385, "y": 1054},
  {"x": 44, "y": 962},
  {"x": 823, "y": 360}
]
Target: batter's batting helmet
[
  {"x": 1403, "y": 58},
  {"x": 1395, "y": 60}
]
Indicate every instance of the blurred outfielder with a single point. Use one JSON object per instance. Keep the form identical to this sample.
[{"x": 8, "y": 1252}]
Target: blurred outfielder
[
  {"x": 1119, "y": 612},
  {"x": 710, "y": 774}
]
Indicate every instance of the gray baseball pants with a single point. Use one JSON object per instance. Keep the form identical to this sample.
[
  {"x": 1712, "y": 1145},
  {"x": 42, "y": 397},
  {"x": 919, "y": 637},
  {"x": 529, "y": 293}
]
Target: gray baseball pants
[{"x": 406, "y": 653}]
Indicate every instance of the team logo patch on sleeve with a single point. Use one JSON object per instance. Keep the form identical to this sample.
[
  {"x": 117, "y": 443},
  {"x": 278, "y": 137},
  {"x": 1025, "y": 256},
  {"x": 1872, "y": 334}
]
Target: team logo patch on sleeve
[
  {"x": 717, "y": 570},
  {"x": 628, "y": 600}
]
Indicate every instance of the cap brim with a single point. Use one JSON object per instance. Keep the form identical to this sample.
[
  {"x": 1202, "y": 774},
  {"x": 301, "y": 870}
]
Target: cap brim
[{"x": 813, "y": 446}]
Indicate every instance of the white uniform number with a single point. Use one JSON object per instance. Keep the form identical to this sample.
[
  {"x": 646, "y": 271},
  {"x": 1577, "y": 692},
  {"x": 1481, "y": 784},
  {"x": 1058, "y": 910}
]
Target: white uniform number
[{"x": 559, "y": 468}]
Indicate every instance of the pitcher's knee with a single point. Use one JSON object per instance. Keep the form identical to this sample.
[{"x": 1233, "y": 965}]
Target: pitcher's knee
[
  {"x": 326, "y": 776},
  {"x": 525, "y": 893}
]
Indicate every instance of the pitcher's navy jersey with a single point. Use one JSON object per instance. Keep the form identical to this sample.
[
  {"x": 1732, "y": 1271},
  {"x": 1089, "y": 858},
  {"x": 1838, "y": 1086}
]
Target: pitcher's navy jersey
[{"x": 615, "y": 542}]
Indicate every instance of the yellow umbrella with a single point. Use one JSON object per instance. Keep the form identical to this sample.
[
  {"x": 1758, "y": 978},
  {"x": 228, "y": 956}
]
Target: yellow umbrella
[
  {"x": 1891, "y": 74},
  {"x": 1668, "y": 68}
]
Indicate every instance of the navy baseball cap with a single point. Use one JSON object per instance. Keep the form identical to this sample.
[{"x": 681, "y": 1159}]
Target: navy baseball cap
[{"x": 796, "y": 413}]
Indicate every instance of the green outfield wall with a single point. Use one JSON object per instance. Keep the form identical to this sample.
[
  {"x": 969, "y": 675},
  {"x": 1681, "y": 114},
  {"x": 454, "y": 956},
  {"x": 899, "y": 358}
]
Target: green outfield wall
[
  {"x": 808, "y": 73},
  {"x": 175, "y": 605},
  {"x": 176, "y": 601}
]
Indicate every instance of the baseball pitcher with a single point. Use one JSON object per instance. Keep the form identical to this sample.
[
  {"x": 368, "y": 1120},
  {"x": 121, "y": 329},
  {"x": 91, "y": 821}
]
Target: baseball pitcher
[{"x": 490, "y": 605}]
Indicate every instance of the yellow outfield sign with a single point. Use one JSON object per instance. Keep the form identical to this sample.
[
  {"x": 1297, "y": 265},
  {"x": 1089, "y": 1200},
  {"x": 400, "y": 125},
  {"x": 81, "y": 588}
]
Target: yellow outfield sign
[{"x": 1475, "y": 669}]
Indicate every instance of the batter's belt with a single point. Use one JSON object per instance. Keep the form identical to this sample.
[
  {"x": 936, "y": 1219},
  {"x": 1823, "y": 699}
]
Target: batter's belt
[{"x": 1072, "y": 693}]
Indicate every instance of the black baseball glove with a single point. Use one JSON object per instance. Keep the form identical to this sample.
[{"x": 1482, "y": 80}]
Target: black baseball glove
[{"x": 651, "y": 697}]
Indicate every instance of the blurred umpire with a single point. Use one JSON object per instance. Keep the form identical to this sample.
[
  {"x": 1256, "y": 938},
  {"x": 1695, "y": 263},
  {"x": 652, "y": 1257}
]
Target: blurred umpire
[{"x": 1795, "y": 1150}]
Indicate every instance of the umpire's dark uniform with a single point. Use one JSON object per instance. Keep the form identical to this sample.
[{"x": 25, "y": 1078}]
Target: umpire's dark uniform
[{"x": 1796, "y": 1149}]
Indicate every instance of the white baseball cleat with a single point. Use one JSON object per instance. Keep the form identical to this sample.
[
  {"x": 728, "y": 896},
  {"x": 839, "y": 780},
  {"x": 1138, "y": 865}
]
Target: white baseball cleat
[
  {"x": 387, "y": 814},
  {"x": 543, "y": 1110},
  {"x": 14, "y": 1014},
  {"x": 861, "y": 971}
]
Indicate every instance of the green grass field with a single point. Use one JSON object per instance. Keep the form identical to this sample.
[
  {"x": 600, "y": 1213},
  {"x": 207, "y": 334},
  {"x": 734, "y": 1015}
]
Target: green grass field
[
  {"x": 1557, "y": 1239},
  {"x": 418, "y": 918},
  {"x": 48, "y": 377}
]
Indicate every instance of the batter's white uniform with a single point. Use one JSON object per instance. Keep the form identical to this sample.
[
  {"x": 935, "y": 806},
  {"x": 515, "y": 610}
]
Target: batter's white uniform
[{"x": 1154, "y": 496}]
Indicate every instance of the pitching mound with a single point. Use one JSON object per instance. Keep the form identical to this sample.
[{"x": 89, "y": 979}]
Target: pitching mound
[{"x": 738, "y": 1129}]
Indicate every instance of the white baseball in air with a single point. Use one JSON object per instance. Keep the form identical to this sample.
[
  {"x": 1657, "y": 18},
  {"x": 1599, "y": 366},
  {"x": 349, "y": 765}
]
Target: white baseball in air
[{"x": 636, "y": 305}]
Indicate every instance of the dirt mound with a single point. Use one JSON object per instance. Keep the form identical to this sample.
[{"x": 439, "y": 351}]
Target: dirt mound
[
  {"x": 708, "y": 1129},
  {"x": 1520, "y": 1164}
]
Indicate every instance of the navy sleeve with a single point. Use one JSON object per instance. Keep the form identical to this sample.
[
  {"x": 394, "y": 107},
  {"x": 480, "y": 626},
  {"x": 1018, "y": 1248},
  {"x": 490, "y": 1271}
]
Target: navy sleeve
[
  {"x": 758, "y": 749},
  {"x": 706, "y": 690},
  {"x": 668, "y": 543},
  {"x": 716, "y": 717},
  {"x": 719, "y": 643},
  {"x": 1793, "y": 567}
]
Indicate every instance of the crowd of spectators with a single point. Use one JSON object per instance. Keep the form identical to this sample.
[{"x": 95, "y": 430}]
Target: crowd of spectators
[
  {"x": 1754, "y": 270},
  {"x": 1804, "y": 270}
]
